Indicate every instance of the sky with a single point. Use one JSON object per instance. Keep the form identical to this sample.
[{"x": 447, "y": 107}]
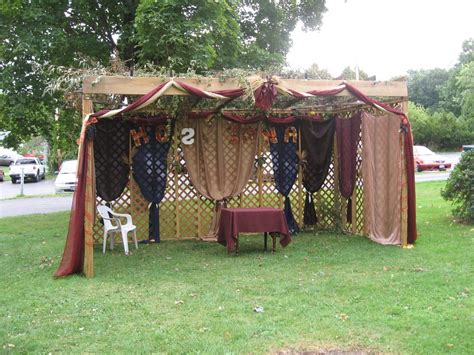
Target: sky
[{"x": 385, "y": 37}]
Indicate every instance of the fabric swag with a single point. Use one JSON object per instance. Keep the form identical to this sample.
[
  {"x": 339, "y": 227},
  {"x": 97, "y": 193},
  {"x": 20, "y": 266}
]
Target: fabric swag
[
  {"x": 150, "y": 162},
  {"x": 348, "y": 132},
  {"x": 317, "y": 140},
  {"x": 220, "y": 159},
  {"x": 285, "y": 166},
  {"x": 111, "y": 145},
  {"x": 381, "y": 159}
]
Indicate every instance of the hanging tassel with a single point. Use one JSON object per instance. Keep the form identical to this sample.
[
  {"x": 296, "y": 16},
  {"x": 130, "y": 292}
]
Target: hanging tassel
[
  {"x": 309, "y": 217},
  {"x": 349, "y": 210},
  {"x": 290, "y": 219},
  {"x": 154, "y": 223}
]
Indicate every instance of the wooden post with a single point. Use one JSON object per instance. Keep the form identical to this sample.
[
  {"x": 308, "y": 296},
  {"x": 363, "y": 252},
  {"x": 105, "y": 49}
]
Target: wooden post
[
  {"x": 176, "y": 203},
  {"x": 260, "y": 165},
  {"x": 354, "y": 207},
  {"x": 300, "y": 181},
  {"x": 404, "y": 188},
  {"x": 89, "y": 198},
  {"x": 337, "y": 196}
]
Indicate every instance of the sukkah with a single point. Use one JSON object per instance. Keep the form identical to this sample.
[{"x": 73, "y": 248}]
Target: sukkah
[{"x": 324, "y": 151}]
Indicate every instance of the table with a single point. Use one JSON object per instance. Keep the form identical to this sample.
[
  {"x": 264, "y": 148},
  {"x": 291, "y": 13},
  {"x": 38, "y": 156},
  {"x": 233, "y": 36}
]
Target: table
[{"x": 248, "y": 220}]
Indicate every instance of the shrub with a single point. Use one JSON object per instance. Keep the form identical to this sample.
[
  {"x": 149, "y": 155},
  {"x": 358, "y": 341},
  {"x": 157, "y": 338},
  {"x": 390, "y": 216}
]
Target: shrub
[{"x": 459, "y": 188}]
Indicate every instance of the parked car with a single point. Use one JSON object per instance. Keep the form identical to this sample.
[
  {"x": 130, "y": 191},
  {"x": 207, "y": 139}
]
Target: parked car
[
  {"x": 33, "y": 169},
  {"x": 468, "y": 147},
  {"x": 2, "y": 175},
  {"x": 425, "y": 159},
  {"x": 7, "y": 157},
  {"x": 67, "y": 176}
]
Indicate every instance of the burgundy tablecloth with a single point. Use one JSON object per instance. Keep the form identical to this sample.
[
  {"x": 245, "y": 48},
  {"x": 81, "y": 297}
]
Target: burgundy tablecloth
[{"x": 247, "y": 220}]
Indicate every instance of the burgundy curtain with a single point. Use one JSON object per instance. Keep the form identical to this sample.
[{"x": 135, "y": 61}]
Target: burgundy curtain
[
  {"x": 347, "y": 132},
  {"x": 73, "y": 256}
]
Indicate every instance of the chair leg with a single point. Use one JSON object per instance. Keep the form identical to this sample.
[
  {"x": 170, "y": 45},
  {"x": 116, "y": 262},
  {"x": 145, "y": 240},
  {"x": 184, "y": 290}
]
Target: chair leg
[
  {"x": 104, "y": 242},
  {"x": 125, "y": 242},
  {"x": 135, "y": 238},
  {"x": 112, "y": 240}
]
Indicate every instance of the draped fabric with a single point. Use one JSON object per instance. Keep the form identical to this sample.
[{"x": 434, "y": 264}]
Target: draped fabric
[
  {"x": 317, "y": 139},
  {"x": 150, "y": 173},
  {"x": 381, "y": 171},
  {"x": 219, "y": 160},
  {"x": 285, "y": 167},
  {"x": 347, "y": 132},
  {"x": 73, "y": 256},
  {"x": 111, "y": 144}
]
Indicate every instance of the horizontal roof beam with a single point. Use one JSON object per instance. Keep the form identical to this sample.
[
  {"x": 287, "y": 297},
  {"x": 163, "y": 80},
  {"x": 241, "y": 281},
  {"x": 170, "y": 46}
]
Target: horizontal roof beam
[{"x": 123, "y": 85}]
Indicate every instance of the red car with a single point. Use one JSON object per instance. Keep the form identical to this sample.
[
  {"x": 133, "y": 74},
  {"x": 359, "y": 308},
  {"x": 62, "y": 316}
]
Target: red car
[{"x": 425, "y": 159}]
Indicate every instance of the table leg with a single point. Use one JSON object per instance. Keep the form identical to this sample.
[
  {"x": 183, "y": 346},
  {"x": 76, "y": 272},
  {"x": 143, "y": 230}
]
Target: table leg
[
  {"x": 237, "y": 246},
  {"x": 265, "y": 236},
  {"x": 274, "y": 242}
]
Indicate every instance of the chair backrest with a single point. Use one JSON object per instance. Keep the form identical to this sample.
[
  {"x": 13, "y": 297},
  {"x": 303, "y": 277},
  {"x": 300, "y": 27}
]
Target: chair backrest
[{"x": 104, "y": 212}]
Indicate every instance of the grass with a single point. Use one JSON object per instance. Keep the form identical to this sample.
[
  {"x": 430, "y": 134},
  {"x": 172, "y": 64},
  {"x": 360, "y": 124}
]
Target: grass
[{"x": 323, "y": 291}]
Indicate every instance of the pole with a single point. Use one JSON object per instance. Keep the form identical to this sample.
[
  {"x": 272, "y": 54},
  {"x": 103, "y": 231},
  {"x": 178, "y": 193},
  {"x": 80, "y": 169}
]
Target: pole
[{"x": 22, "y": 180}]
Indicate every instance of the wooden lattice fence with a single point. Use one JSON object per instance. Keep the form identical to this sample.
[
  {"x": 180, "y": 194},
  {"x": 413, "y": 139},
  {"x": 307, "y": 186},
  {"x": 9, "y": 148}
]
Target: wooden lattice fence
[{"x": 185, "y": 214}]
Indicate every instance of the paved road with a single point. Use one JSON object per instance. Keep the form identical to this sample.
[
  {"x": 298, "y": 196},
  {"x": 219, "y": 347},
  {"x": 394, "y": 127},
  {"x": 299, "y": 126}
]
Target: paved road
[
  {"x": 30, "y": 188},
  {"x": 16, "y": 207},
  {"x": 24, "y": 206}
]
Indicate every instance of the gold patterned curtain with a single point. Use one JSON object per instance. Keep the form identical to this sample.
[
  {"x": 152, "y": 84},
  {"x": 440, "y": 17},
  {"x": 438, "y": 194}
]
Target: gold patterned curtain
[
  {"x": 220, "y": 159},
  {"x": 381, "y": 171}
]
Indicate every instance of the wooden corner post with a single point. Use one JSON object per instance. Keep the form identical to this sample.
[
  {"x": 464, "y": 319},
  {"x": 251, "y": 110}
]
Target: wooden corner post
[{"x": 89, "y": 215}]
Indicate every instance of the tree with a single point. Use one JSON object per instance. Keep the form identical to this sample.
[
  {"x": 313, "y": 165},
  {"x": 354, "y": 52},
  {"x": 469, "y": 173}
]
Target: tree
[
  {"x": 349, "y": 74},
  {"x": 178, "y": 35},
  {"x": 459, "y": 188},
  {"x": 425, "y": 86}
]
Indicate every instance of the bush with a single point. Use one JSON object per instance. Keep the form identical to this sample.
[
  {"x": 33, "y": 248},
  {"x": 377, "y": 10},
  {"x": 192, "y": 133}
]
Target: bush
[
  {"x": 460, "y": 188},
  {"x": 439, "y": 129}
]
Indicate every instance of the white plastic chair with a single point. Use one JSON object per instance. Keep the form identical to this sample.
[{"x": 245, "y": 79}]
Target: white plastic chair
[{"x": 114, "y": 225}]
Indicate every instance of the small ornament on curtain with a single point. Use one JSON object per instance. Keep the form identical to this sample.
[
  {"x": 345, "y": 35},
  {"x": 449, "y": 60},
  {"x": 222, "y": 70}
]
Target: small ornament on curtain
[
  {"x": 285, "y": 168},
  {"x": 138, "y": 135},
  {"x": 150, "y": 165},
  {"x": 162, "y": 133},
  {"x": 269, "y": 135}
]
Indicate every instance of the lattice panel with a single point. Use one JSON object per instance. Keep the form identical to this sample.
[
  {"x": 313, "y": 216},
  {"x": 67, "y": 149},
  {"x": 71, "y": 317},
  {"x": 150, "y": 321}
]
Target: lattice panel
[
  {"x": 184, "y": 213},
  {"x": 358, "y": 228}
]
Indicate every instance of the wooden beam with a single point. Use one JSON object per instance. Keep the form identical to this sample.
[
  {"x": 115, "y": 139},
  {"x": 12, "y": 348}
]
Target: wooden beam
[{"x": 122, "y": 85}]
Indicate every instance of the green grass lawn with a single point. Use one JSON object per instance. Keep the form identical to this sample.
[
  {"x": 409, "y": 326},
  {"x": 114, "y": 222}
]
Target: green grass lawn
[{"x": 324, "y": 291}]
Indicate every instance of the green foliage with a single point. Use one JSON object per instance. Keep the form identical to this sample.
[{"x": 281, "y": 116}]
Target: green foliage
[
  {"x": 438, "y": 130},
  {"x": 442, "y": 115},
  {"x": 424, "y": 86},
  {"x": 460, "y": 188},
  {"x": 174, "y": 35}
]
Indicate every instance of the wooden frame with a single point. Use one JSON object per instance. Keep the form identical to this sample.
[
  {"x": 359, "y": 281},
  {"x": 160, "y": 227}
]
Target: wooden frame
[{"x": 136, "y": 86}]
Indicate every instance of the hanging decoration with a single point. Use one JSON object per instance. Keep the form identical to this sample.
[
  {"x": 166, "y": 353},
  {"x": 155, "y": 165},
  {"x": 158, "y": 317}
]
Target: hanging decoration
[
  {"x": 348, "y": 132},
  {"x": 219, "y": 160},
  {"x": 317, "y": 139},
  {"x": 150, "y": 170},
  {"x": 111, "y": 145},
  {"x": 285, "y": 167}
]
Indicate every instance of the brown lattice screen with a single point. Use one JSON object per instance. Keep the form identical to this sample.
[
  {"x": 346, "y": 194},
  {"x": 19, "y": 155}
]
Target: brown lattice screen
[{"x": 185, "y": 214}]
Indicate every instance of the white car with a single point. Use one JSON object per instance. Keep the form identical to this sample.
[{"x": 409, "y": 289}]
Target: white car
[
  {"x": 32, "y": 169},
  {"x": 67, "y": 176}
]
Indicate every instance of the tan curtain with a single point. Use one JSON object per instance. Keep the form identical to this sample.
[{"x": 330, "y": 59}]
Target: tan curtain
[
  {"x": 381, "y": 172},
  {"x": 221, "y": 159}
]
